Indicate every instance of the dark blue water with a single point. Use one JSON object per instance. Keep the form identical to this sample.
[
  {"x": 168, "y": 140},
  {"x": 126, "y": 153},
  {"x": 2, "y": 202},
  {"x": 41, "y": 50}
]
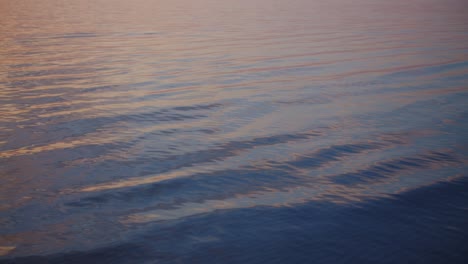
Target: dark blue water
[{"x": 260, "y": 131}]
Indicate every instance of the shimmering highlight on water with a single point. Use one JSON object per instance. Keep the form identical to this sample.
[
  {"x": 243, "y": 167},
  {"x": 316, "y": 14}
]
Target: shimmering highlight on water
[{"x": 260, "y": 131}]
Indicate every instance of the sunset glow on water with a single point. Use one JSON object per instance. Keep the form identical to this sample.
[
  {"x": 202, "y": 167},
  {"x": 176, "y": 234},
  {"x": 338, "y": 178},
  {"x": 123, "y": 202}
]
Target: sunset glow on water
[{"x": 260, "y": 131}]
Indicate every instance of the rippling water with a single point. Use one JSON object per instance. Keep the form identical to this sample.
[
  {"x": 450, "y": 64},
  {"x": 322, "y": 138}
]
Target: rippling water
[{"x": 260, "y": 131}]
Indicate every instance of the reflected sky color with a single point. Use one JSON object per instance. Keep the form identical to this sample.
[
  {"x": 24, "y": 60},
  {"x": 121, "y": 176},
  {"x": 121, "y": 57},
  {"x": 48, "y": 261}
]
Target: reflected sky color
[{"x": 124, "y": 120}]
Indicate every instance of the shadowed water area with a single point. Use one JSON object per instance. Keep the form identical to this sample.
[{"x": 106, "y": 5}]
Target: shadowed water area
[{"x": 249, "y": 131}]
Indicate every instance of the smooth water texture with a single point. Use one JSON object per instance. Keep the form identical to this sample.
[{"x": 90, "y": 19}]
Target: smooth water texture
[{"x": 235, "y": 131}]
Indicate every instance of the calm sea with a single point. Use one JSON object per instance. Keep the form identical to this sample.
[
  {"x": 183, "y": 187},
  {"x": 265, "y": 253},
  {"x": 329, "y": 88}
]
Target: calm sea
[{"x": 233, "y": 131}]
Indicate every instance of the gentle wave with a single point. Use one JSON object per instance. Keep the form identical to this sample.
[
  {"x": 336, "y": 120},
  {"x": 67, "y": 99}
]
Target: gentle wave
[{"x": 195, "y": 121}]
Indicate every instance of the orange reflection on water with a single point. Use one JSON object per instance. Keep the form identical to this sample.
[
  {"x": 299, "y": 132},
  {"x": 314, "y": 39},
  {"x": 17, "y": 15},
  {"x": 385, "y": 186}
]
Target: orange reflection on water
[{"x": 101, "y": 99}]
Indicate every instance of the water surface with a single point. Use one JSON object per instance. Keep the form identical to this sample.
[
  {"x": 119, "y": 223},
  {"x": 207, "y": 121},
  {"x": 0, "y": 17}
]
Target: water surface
[{"x": 259, "y": 131}]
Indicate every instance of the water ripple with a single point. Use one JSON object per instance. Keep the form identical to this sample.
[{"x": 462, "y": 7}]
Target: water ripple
[{"x": 166, "y": 130}]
